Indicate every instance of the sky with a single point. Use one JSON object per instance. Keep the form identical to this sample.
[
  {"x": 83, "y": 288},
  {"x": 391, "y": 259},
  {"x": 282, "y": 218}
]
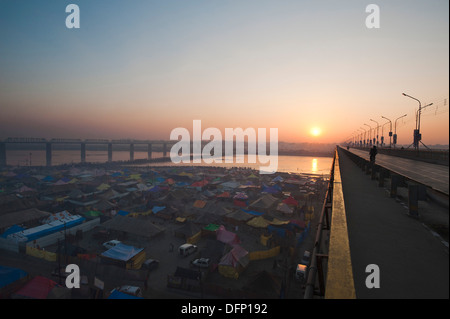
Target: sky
[{"x": 139, "y": 69}]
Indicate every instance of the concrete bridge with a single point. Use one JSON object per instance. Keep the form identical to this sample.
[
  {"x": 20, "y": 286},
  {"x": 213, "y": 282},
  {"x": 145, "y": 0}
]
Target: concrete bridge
[
  {"x": 383, "y": 230},
  {"x": 50, "y": 142}
]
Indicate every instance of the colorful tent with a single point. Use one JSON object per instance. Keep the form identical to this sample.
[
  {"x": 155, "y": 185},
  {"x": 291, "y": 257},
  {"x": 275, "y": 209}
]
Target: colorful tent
[
  {"x": 9, "y": 275},
  {"x": 199, "y": 203},
  {"x": 234, "y": 263},
  {"x": 291, "y": 201},
  {"x": 103, "y": 187},
  {"x": 37, "y": 288},
  {"x": 226, "y": 236}
]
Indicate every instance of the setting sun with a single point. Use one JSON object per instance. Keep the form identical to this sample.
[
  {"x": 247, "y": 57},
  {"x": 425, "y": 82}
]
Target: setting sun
[{"x": 315, "y": 131}]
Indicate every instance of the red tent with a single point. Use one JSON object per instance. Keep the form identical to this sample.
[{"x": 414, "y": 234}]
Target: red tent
[
  {"x": 37, "y": 288},
  {"x": 291, "y": 201},
  {"x": 200, "y": 183},
  {"x": 239, "y": 203},
  {"x": 224, "y": 195}
]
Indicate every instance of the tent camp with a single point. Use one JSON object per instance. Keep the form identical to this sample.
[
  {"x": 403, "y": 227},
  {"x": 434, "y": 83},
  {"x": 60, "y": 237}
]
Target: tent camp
[{"x": 136, "y": 226}]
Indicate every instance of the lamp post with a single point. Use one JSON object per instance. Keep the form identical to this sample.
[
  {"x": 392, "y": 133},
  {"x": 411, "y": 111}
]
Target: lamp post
[
  {"x": 390, "y": 131},
  {"x": 365, "y": 132},
  {"x": 378, "y": 125},
  {"x": 395, "y": 128},
  {"x": 417, "y": 135},
  {"x": 370, "y": 134},
  {"x": 361, "y": 132},
  {"x": 382, "y": 135}
]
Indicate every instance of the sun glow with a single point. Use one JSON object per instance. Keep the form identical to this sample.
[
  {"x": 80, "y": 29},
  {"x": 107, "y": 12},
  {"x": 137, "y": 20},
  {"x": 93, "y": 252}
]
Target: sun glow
[{"x": 315, "y": 131}]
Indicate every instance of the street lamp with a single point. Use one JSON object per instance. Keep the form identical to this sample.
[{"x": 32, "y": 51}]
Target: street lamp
[
  {"x": 390, "y": 130},
  {"x": 417, "y": 135},
  {"x": 378, "y": 125},
  {"x": 370, "y": 134},
  {"x": 365, "y": 132},
  {"x": 382, "y": 135},
  {"x": 361, "y": 132},
  {"x": 395, "y": 128}
]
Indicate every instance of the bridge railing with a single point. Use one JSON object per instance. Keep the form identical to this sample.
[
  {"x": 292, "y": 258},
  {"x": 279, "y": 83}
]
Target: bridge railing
[{"x": 338, "y": 282}]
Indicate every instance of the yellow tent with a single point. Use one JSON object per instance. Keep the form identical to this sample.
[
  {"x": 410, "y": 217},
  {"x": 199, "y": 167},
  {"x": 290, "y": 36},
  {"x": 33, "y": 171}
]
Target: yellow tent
[
  {"x": 103, "y": 187},
  {"x": 259, "y": 222}
]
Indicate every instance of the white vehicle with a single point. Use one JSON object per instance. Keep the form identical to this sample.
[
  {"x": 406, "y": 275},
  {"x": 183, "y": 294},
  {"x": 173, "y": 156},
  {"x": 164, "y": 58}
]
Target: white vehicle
[
  {"x": 201, "y": 262},
  {"x": 130, "y": 290},
  {"x": 306, "y": 258},
  {"x": 187, "y": 249},
  {"x": 112, "y": 243}
]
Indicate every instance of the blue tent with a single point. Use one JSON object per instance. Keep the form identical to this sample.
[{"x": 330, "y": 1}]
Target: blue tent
[
  {"x": 122, "y": 252},
  {"x": 12, "y": 230},
  {"x": 122, "y": 213},
  {"x": 156, "y": 209},
  {"x": 9, "y": 275},
  {"x": 252, "y": 212}
]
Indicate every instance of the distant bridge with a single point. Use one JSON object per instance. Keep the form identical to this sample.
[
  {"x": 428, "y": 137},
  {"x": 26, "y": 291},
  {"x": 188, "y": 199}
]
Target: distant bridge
[{"x": 50, "y": 142}]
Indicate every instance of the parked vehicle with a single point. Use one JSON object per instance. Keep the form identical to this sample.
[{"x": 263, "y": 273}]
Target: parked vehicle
[
  {"x": 112, "y": 243},
  {"x": 201, "y": 262},
  {"x": 150, "y": 264},
  {"x": 130, "y": 290},
  {"x": 306, "y": 258},
  {"x": 300, "y": 272},
  {"x": 187, "y": 249}
]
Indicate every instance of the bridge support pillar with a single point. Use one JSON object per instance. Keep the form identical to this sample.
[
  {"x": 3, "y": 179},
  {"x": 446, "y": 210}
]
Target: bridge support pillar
[
  {"x": 381, "y": 177},
  {"x": 131, "y": 152},
  {"x": 374, "y": 171},
  {"x": 416, "y": 192},
  {"x": 149, "y": 151},
  {"x": 396, "y": 180},
  {"x": 2, "y": 154},
  {"x": 109, "y": 152},
  {"x": 83, "y": 152},
  {"x": 48, "y": 153},
  {"x": 368, "y": 168}
]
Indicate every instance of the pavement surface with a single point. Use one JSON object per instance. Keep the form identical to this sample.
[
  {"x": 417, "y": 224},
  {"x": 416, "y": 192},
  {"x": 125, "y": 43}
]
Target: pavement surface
[
  {"x": 413, "y": 263},
  {"x": 433, "y": 175}
]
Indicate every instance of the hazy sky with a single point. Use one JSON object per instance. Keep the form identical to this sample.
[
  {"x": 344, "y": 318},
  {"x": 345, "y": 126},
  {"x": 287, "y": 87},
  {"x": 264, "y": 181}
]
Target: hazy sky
[{"x": 138, "y": 69}]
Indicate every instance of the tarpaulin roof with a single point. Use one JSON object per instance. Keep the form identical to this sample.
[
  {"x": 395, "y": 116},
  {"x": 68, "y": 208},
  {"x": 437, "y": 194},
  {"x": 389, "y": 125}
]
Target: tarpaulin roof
[
  {"x": 37, "y": 288},
  {"x": 259, "y": 222},
  {"x": 122, "y": 252},
  {"x": 285, "y": 208},
  {"x": 290, "y": 201},
  {"x": 200, "y": 183},
  {"x": 199, "y": 203},
  {"x": 226, "y": 236},
  {"x": 235, "y": 257},
  {"x": 9, "y": 275}
]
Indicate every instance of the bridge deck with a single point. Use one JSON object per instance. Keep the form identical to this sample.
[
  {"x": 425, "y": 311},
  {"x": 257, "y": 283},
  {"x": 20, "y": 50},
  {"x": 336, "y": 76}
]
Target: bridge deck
[
  {"x": 432, "y": 175},
  {"x": 412, "y": 262}
]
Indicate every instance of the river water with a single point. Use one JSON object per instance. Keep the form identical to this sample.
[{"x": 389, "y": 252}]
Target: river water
[{"x": 291, "y": 164}]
